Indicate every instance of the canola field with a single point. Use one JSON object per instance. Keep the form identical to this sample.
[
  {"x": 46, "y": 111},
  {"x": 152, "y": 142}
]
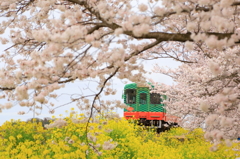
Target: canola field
[{"x": 76, "y": 138}]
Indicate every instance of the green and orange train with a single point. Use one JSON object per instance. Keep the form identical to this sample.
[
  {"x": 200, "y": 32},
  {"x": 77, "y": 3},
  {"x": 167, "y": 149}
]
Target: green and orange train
[{"x": 147, "y": 107}]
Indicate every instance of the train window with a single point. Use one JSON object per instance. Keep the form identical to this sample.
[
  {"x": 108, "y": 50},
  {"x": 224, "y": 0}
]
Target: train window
[
  {"x": 130, "y": 96},
  {"x": 155, "y": 98},
  {"x": 143, "y": 98}
]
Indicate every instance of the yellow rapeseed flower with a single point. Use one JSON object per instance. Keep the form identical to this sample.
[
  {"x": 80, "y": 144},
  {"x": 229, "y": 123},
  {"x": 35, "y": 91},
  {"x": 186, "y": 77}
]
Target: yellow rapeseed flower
[
  {"x": 127, "y": 140},
  {"x": 19, "y": 136}
]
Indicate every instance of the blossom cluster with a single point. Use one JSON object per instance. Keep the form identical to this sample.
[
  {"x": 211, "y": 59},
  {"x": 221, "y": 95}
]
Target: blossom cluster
[{"x": 207, "y": 91}]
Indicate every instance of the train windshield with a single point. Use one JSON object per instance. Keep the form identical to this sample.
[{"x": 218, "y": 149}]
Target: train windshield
[
  {"x": 155, "y": 98},
  {"x": 130, "y": 96},
  {"x": 143, "y": 98}
]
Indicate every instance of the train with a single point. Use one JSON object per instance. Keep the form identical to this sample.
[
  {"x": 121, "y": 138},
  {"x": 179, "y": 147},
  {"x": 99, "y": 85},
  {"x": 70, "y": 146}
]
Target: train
[{"x": 147, "y": 107}]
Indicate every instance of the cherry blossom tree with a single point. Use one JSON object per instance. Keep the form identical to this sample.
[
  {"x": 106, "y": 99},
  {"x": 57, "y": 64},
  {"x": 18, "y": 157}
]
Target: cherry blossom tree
[
  {"x": 55, "y": 42},
  {"x": 206, "y": 93},
  {"x": 206, "y": 90}
]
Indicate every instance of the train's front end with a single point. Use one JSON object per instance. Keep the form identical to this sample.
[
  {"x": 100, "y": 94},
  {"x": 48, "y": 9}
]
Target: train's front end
[
  {"x": 146, "y": 107},
  {"x": 143, "y": 106}
]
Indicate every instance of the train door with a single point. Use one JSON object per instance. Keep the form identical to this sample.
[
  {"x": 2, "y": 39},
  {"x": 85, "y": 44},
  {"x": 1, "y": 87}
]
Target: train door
[{"x": 143, "y": 99}]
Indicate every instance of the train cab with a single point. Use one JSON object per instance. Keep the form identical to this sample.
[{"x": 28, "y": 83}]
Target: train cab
[{"x": 145, "y": 106}]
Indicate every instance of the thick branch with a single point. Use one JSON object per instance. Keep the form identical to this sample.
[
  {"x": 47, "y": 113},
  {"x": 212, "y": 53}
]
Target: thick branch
[
  {"x": 159, "y": 36},
  {"x": 6, "y": 89}
]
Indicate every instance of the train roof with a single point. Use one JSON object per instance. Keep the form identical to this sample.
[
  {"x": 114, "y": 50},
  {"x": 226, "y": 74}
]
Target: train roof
[
  {"x": 134, "y": 85},
  {"x": 130, "y": 86}
]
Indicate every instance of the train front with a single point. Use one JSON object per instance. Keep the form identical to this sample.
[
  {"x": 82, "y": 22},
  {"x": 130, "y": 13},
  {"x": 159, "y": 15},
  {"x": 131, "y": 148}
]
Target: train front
[
  {"x": 144, "y": 106},
  {"x": 147, "y": 108}
]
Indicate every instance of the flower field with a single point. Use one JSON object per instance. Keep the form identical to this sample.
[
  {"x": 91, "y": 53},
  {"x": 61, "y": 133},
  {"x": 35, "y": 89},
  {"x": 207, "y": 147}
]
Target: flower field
[{"x": 104, "y": 139}]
